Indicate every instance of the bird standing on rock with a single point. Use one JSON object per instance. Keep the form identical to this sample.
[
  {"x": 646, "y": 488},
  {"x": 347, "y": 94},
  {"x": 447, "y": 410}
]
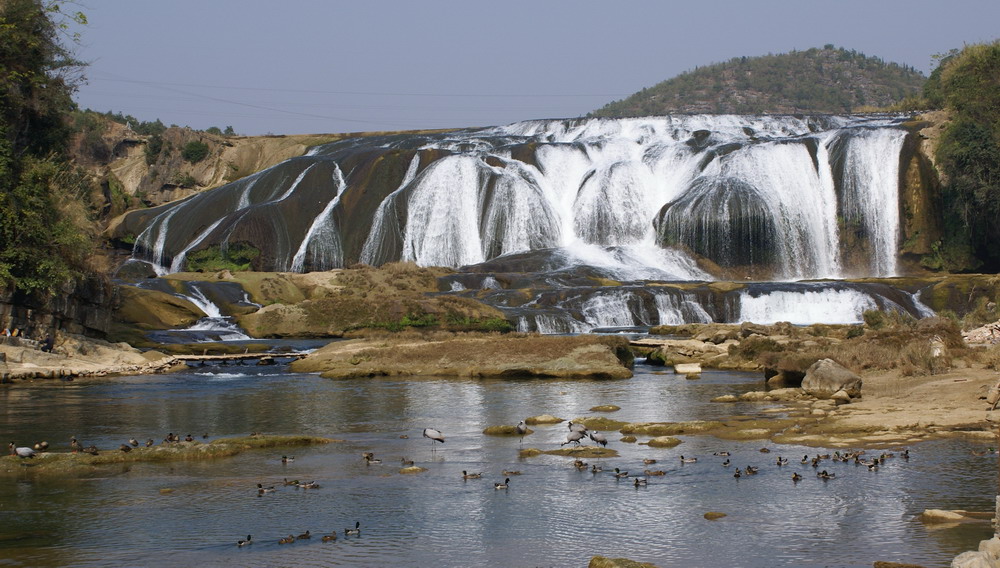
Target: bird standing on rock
[{"x": 599, "y": 438}]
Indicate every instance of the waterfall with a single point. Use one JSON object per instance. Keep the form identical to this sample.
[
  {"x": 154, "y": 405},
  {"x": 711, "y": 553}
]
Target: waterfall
[
  {"x": 871, "y": 192},
  {"x": 770, "y": 195},
  {"x": 323, "y": 238}
]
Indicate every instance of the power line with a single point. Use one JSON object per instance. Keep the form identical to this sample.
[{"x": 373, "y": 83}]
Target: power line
[{"x": 364, "y": 93}]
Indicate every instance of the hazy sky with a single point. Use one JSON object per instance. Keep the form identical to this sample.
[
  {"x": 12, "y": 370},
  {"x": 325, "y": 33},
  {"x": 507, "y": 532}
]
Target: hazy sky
[{"x": 320, "y": 66}]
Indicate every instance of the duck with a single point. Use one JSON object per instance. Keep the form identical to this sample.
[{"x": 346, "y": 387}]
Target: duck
[
  {"x": 721, "y": 454},
  {"x": 21, "y": 452},
  {"x": 373, "y": 461},
  {"x": 125, "y": 448},
  {"x": 133, "y": 442},
  {"x": 504, "y": 485},
  {"x": 512, "y": 472},
  {"x": 648, "y": 461},
  {"x": 149, "y": 442},
  {"x": 796, "y": 477},
  {"x": 330, "y": 537},
  {"x": 782, "y": 461},
  {"x": 406, "y": 462},
  {"x": 189, "y": 438},
  {"x": 640, "y": 481},
  {"x": 765, "y": 450},
  {"x": 688, "y": 460},
  {"x": 304, "y": 536},
  {"x": 467, "y": 475},
  {"x": 726, "y": 463},
  {"x": 805, "y": 459},
  {"x": 287, "y": 539},
  {"x": 750, "y": 470},
  {"x": 286, "y": 459},
  {"x": 738, "y": 474},
  {"x": 620, "y": 474},
  {"x": 244, "y": 542},
  {"x": 654, "y": 473},
  {"x": 355, "y": 531},
  {"x": 905, "y": 454},
  {"x": 75, "y": 445},
  {"x": 308, "y": 485},
  {"x": 292, "y": 482},
  {"x": 580, "y": 464},
  {"x": 596, "y": 468},
  {"x": 262, "y": 490},
  {"x": 41, "y": 446},
  {"x": 824, "y": 475},
  {"x": 91, "y": 449}
]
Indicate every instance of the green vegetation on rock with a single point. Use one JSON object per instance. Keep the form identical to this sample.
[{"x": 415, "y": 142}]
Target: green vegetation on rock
[
  {"x": 967, "y": 84},
  {"x": 236, "y": 258}
]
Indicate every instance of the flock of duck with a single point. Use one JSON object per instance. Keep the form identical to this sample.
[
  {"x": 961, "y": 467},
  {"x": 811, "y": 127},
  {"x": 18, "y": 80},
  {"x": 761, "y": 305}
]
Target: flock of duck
[
  {"x": 76, "y": 446},
  {"x": 576, "y": 435}
]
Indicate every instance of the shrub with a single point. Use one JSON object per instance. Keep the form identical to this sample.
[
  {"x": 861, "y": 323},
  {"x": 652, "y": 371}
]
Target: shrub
[
  {"x": 153, "y": 148},
  {"x": 194, "y": 151}
]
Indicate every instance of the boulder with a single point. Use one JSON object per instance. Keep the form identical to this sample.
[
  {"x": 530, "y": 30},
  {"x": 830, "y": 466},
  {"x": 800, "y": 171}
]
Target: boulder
[
  {"x": 826, "y": 376},
  {"x": 687, "y": 368}
]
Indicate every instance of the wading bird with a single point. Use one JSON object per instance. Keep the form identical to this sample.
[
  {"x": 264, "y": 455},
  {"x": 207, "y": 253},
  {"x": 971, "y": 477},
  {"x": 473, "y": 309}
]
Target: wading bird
[{"x": 434, "y": 435}]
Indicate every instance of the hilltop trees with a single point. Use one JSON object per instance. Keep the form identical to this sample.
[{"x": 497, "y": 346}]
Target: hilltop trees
[
  {"x": 44, "y": 230},
  {"x": 830, "y": 80}
]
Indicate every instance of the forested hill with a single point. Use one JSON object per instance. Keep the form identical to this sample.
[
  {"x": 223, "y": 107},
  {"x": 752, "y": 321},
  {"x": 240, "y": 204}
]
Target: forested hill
[{"x": 827, "y": 80}]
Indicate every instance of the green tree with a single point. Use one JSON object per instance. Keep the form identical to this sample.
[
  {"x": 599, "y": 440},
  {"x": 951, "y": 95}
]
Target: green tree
[
  {"x": 967, "y": 83},
  {"x": 194, "y": 151},
  {"x": 44, "y": 240}
]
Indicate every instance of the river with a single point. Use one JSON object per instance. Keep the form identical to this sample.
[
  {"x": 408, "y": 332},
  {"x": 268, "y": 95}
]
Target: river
[{"x": 191, "y": 513}]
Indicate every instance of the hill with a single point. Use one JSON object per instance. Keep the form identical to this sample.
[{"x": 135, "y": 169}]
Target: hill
[{"x": 827, "y": 80}]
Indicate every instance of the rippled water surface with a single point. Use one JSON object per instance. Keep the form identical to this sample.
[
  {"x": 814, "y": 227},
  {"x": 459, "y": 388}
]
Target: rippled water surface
[{"x": 192, "y": 513}]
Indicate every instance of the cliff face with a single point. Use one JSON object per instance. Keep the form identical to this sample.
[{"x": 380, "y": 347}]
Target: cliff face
[
  {"x": 82, "y": 307},
  {"x": 153, "y": 169}
]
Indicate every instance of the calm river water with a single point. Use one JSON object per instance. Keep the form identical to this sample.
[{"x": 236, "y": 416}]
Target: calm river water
[{"x": 552, "y": 514}]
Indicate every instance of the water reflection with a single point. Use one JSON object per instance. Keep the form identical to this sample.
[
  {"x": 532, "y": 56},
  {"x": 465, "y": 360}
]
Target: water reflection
[{"x": 192, "y": 513}]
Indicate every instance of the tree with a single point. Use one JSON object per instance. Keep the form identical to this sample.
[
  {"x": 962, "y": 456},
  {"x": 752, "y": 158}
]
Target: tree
[
  {"x": 44, "y": 239},
  {"x": 967, "y": 84}
]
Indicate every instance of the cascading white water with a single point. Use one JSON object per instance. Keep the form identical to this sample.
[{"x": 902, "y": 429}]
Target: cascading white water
[
  {"x": 679, "y": 309},
  {"x": 383, "y": 225},
  {"x": 806, "y": 307},
  {"x": 615, "y": 309},
  {"x": 322, "y": 239},
  {"x": 871, "y": 192},
  {"x": 592, "y": 188}
]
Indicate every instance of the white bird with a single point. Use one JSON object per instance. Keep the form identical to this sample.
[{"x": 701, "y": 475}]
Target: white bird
[
  {"x": 522, "y": 429},
  {"x": 21, "y": 452},
  {"x": 599, "y": 438},
  {"x": 434, "y": 435},
  {"x": 573, "y": 437}
]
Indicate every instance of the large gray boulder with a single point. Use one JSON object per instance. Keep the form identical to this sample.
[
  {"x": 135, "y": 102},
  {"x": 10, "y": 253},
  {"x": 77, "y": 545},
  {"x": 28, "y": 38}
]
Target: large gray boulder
[{"x": 826, "y": 376}]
